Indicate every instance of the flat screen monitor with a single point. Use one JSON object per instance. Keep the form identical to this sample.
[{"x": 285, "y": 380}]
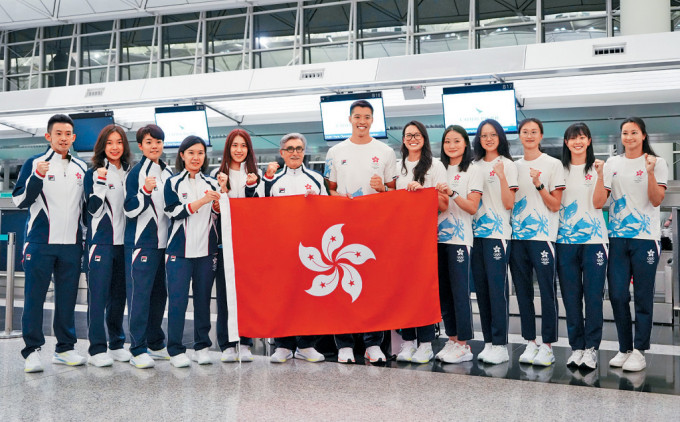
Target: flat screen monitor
[
  {"x": 181, "y": 121},
  {"x": 87, "y": 126},
  {"x": 335, "y": 115},
  {"x": 468, "y": 106}
]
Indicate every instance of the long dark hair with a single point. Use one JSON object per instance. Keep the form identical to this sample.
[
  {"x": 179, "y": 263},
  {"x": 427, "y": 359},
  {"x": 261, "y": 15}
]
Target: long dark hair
[
  {"x": 100, "y": 146},
  {"x": 574, "y": 131},
  {"x": 425, "y": 161},
  {"x": 503, "y": 146},
  {"x": 467, "y": 154},
  {"x": 251, "y": 165},
  {"x": 646, "y": 148},
  {"x": 187, "y": 143}
]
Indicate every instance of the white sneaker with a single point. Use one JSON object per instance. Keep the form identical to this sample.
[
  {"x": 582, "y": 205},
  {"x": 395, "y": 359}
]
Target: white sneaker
[
  {"x": 229, "y": 355},
  {"x": 161, "y": 354},
  {"x": 309, "y": 354},
  {"x": 202, "y": 357},
  {"x": 424, "y": 353},
  {"x": 575, "y": 358},
  {"x": 589, "y": 358},
  {"x": 408, "y": 348},
  {"x": 544, "y": 356},
  {"x": 460, "y": 353},
  {"x": 482, "y": 355},
  {"x": 246, "y": 354},
  {"x": 180, "y": 361},
  {"x": 281, "y": 355},
  {"x": 497, "y": 355},
  {"x": 120, "y": 355},
  {"x": 375, "y": 355},
  {"x": 100, "y": 360},
  {"x": 448, "y": 346},
  {"x": 635, "y": 362},
  {"x": 346, "y": 355},
  {"x": 618, "y": 360},
  {"x": 529, "y": 353},
  {"x": 33, "y": 363},
  {"x": 142, "y": 361},
  {"x": 70, "y": 358}
]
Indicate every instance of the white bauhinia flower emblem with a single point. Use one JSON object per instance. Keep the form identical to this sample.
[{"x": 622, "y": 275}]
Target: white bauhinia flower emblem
[{"x": 325, "y": 284}]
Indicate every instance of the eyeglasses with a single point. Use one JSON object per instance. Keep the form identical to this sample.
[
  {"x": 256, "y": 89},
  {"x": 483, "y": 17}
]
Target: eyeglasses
[
  {"x": 491, "y": 136},
  {"x": 416, "y": 136},
  {"x": 527, "y": 133},
  {"x": 291, "y": 150}
]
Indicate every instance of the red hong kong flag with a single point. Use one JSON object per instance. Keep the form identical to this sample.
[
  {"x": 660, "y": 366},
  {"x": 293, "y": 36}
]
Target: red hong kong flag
[{"x": 330, "y": 265}]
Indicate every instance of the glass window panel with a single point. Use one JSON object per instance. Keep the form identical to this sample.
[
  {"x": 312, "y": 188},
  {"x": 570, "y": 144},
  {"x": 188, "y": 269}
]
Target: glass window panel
[
  {"x": 505, "y": 12},
  {"x": 179, "y": 67},
  {"x": 181, "y": 17},
  {"x": 382, "y": 48},
  {"x": 675, "y": 20},
  {"x": 616, "y": 23},
  {"x": 136, "y": 71},
  {"x": 575, "y": 30},
  {"x": 442, "y": 42},
  {"x": 225, "y": 35},
  {"x": 225, "y": 12},
  {"x": 326, "y": 53},
  {"x": 274, "y": 24},
  {"x": 504, "y": 36},
  {"x": 326, "y": 20},
  {"x": 273, "y": 58},
  {"x": 137, "y": 22},
  {"x": 57, "y": 31},
  {"x": 381, "y": 17},
  {"x": 95, "y": 27},
  {"x": 433, "y": 12},
  {"x": 21, "y": 59},
  {"x": 95, "y": 50},
  {"x": 224, "y": 63},
  {"x": 136, "y": 45},
  {"x": 179, "y": 40},
  {"x": 22, "y": 35},
  {"x": 573, "y": 9},
  {"x": 93, "y": 76},
  {"x": 53, "y": 79},
  {"x": 21, "y": 82}
]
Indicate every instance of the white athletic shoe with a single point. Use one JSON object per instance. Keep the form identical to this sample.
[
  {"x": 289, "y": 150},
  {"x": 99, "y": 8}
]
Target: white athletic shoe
[
  {"x": 229, "y": 355},
  {"x": 346, "y": 355},
  {"x": 589, "y": 360},
  {"x": 281, "y": 355},
  {"x": 635, "y": 362},
  {"x": 246, "y": 354},
  {"x": 161, "y": 354},
  {"x": 618, "y": 360},
  {"x": 100, "y": 360},
  {"x": 309, "y": 354},
  {"x": 460, "y": 353},
  {"x": 70, "y": 358},
  {"x": 33, "y": 363},
  {"x": 575, "y": 358},
  {"x": 120, "y": 355},
  {"x": 202, "y": 357},
  {"x": 142, "y": 361},
  {"x": 529, "y": 353},
  {"x": 544, "y": 356},
  {"x": 424, "y": 353},
  {"x": 408, "y": 348},
  {"x": 180, "y": 361},
  {"x": 448, "y": 346},
  {"x": 482, "y": 355},
  {"x": 374, "y": 354},
  {"x": 497, "y": 355}
]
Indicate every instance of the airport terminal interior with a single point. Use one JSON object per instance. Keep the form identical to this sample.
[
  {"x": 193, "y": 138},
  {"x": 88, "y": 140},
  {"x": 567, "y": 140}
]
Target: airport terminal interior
[{"x": 272, "y": 67}]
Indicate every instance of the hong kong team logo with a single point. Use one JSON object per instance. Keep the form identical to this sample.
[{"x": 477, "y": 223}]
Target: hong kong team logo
[
  {"x": 600, "y": 258},
  {"x": 638, "y": 176},
  {"x": 650, "y": 257},
  {"x": 545, "y": 259},
  {"x": 325, "y": 284},
  {"x": 460, "y": 256},
  {"x": 497, "y": 253},
  {"x": 375, "y": 162}
]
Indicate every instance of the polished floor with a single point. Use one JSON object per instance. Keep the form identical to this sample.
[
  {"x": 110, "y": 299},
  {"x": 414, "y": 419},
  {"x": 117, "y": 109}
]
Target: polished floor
[{"x": 331, "y": 391}]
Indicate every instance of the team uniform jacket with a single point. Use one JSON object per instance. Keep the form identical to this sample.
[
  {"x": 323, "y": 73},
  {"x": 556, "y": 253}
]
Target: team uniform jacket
[
  {"x": 54, "y": 201},
  {"x": 294, "y": 182},
  {"x": 193, "y": 233},
  {"x": 147, "y": 224},
  {"x": 105, "y": 198}
]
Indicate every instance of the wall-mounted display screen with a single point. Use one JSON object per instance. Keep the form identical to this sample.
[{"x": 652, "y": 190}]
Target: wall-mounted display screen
[
  {"x": 181, "y": 121},
  {"x": 87, "y": 126},
  {"x": 468, "y": 106},
  {"x": 335, "y": 115}
]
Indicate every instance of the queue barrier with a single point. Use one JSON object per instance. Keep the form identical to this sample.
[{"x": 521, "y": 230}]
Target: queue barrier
[{"x": 9, "y": 296}]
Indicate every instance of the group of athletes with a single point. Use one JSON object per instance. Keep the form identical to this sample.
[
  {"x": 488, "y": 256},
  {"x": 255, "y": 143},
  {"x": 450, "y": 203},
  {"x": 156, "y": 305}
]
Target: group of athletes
[{"x": 152, "y": 233}]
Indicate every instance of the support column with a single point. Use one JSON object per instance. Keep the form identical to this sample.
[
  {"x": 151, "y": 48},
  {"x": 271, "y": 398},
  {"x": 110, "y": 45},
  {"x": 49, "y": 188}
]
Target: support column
[{"x": 645, "y": 17}]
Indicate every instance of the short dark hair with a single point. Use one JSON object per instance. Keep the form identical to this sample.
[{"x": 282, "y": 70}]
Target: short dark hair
[
  {"x": 574, "y": 131},
  {"x": 100, "y": 146},
  {"x": 59, "y": 118},
  {"x": 530, "y": 120},
  {"x": 187, "y": 143},
  {"x": 155, "y": 131},
  {"x": 360, "y": 103}
]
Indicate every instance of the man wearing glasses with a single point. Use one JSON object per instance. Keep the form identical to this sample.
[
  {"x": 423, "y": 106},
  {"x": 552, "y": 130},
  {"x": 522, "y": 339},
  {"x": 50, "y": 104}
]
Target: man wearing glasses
[
  {"x": 360, "y": 165},
  {"x": 293, "y": 179}
]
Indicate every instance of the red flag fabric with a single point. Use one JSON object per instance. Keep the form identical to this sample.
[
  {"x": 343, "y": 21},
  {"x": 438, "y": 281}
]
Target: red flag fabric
[{"x": 332, "y": 265}]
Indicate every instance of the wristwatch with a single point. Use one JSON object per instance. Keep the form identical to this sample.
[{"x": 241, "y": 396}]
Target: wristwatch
[{"x": 540, "y": 188}]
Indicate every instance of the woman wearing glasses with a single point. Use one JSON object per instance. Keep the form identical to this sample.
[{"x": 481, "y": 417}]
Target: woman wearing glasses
[
  {"x": 492, "y": 233},
  {"x": 637, "y": 181},
  {"x": 535, "y": 221},
  {"x": 241, "y": 177},
  {"x": 462, "y": 192},
  {"x": 418, "y": 170}
]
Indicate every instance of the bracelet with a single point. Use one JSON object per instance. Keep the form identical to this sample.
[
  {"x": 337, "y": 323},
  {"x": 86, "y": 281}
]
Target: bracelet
[
  {"x": 386, "y": 188},
  {"x": 540, "y": 188},
  {"x": 453, "y": 195}
]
